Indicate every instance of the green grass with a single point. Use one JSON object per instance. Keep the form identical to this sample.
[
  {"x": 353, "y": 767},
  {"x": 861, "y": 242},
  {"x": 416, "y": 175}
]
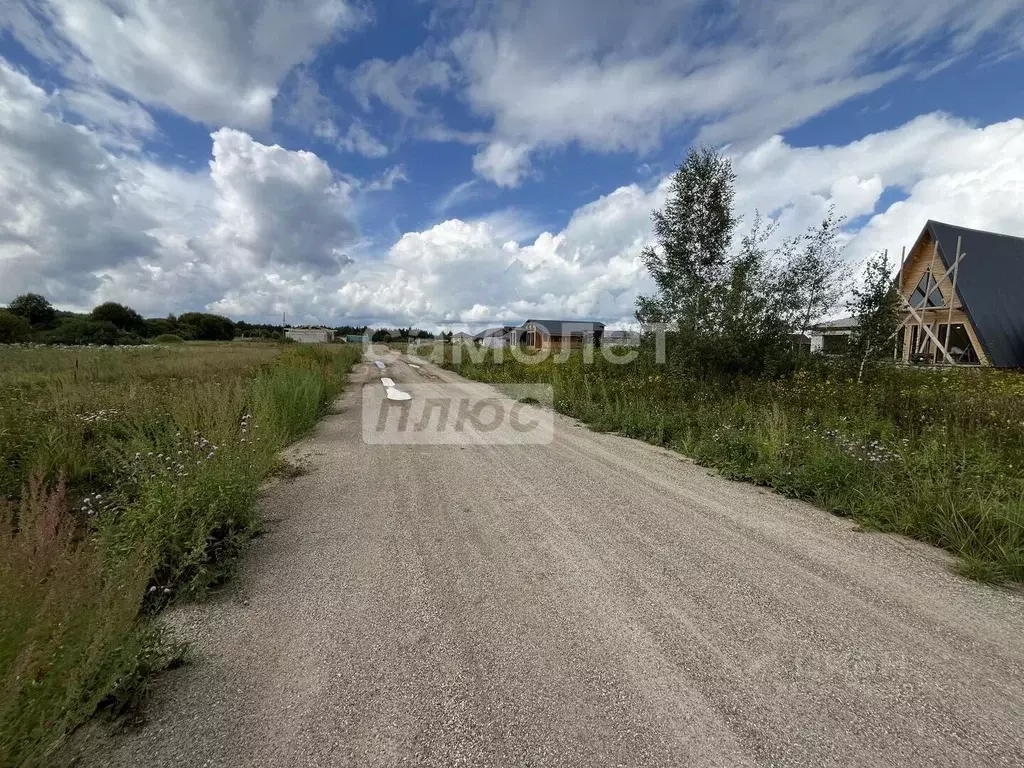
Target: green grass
[
  {"x": 936, "y": 455},
  {"x": 128, "y": 478}
]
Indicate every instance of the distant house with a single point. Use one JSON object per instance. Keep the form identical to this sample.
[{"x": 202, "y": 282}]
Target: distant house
[
  {"x": 461, "y": 337},
  {"x": 620, "y": 339},
  {"x": 540, "y": 334},
  {"x": 493, "y": 337},
  {"x": 309, "y": 335},
  {"x": 832, "y": 336},
  {"x": 963, "y": 297}
]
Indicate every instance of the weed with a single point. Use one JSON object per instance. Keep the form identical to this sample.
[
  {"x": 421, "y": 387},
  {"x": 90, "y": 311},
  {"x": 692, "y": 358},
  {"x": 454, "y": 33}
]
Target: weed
[{"x": 130, "y": 478}]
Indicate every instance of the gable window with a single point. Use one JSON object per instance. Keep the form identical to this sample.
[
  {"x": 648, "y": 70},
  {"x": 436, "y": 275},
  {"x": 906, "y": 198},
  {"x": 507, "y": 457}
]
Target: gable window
[{"x": 925, "y": 288}]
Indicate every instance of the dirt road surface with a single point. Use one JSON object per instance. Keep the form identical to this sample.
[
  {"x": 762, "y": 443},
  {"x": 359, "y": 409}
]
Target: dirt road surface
[{"x": 593, "y": 602}]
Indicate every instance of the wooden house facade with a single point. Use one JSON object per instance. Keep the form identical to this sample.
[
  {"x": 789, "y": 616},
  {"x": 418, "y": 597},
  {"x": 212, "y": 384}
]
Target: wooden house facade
[{"x": 963, "y": 297}]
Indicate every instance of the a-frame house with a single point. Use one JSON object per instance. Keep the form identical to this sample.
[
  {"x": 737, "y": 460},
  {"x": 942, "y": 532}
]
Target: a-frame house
[{"x": 963, "y": 297}]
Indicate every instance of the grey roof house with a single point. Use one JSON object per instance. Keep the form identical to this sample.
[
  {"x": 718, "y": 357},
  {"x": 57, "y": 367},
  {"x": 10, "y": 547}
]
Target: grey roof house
[{"x": 963, "y": 297}]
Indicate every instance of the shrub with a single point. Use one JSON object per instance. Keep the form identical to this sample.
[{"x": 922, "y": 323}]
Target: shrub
[
  {"x": 168, "y": 338},
  {"x": 13, "y": 328},
  {"x": 206, "y": 327},
  {"x": 78, "y": 331}
]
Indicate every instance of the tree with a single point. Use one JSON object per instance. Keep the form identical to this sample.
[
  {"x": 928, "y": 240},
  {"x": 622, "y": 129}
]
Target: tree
[
  {"x": 13, "y": 328},
  {"x": 125, "y": 318},
  {"x": 34, "y": 308},
  {"x": 734, "y": 312},
  {"x": 875, "y": 307},
  {"x": 206, "y": 327},
  {"x": 816, "y": 274},
  {"x": 694, "y": 231}
]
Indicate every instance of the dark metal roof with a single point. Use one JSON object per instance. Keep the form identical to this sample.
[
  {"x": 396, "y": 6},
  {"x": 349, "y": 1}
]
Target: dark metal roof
[
  {"x": 493, "y": 332},
  {"x": 990, "y": 282},
  {"x": 563, "y": 327}
]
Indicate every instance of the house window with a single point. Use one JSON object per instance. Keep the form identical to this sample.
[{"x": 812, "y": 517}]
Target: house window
[
  {"x": 835, "y": 343},
  {"x": 926, "y": 284},
  {"x": 960, "y": 347}
]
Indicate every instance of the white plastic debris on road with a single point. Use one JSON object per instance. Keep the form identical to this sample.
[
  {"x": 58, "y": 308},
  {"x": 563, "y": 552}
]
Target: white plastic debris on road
[
  {"x": 397, "y": 394},
  {"x": 379, "y": 364},
  {"x": 387, "y": 382}
]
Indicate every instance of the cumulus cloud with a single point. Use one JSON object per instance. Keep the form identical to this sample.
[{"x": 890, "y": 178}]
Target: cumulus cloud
[
  {"x": 267, "y": 230},
  {"x": 218, "y": 63},
  {"x": 278, "y": 208},
  {"x": 63, "y": 217},
  {"x": 80, "y": 223}
]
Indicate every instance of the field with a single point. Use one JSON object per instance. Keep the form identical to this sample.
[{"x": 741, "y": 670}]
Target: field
[
  {"x": 128, "y": 479},
  {"x": 936, "y": 455}
]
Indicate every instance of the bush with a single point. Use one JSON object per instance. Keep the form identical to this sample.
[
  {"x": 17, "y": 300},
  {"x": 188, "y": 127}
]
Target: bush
[
  {"x": 13, "y": 328},
  {"x": 168, "y": 338},
  {"x": 202, "y": 326},
  {"x": 78, "y": 331}
]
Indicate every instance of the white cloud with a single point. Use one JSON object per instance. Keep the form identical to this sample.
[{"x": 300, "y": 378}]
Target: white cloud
[
  {"x": 387, "y": 181},
  {"x": 504, "y": 164},
  {"x": 600, "y": 74},
  {"x": 267, "y": 230},
  {"x": 81, "y": 224},
  {"x": 277, "y": 208},
  {"x": 358, "y": 139},
  {"x": 218, "y": 63},
  {"x": 398, "y": 84},
  {"x": 118, "y": 122},
  {"x": 63, "y": 215}
]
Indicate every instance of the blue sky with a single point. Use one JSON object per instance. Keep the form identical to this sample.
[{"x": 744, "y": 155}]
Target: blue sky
[{"x": 453, "y": 163}]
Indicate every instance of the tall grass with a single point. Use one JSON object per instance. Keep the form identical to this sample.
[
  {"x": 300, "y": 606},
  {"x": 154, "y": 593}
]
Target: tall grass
[
  {"x": 936, "y": 455},
  {"x": 130, "y": 477}
]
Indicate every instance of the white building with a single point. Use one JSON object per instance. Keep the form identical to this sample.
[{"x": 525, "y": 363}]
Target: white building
[
  {"x": 832, "y": 336},
  {"x": 309, "y": 335}
]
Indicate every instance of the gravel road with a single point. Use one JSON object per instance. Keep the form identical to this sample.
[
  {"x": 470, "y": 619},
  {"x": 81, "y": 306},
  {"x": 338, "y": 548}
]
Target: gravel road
[{"x": 595, "y": 602}]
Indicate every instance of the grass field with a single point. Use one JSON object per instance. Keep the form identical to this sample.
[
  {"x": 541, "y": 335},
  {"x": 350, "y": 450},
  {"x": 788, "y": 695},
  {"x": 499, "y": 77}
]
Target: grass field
[
  {"x": 936, "y": 455},
  {"x": 128, "y": 478}
]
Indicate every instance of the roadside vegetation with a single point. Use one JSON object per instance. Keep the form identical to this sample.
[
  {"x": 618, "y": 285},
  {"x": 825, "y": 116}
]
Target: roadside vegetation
[
  {"x": 932, "y": 454},
  {"x": 936, "y": 455},
  {"x": 128, "y": 479}
]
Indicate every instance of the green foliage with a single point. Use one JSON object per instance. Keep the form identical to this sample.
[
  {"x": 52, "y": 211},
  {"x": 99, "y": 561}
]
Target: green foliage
[
  {"x": 202, "y": 326},
  {"x": 78, "y": 331},
  {"x": 168, "y": 338},
  {"x": 34, "y": 308},
  {"x": 13, "y": 328},
  {"x": 734, "y": 312},
  {"x": 122, "y": 317},
  {"x": 131, "y": 476},
  {"x": 875, "y": 306},
  {"x": 931, "y": 454}
]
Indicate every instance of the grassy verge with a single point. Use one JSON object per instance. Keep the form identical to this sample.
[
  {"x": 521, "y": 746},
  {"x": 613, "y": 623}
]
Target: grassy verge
[
  {"x": 129, "y": 477},
  {"x": 936, "y": 455}
]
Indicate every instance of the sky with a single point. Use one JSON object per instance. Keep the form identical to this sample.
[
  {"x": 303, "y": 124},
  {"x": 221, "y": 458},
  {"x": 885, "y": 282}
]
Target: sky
[{"x": 448, "y": 164}]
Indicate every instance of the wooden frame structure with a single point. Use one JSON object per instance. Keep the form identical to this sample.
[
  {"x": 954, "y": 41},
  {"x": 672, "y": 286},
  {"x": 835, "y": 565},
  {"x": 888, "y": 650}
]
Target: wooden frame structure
[{"x": 928, "y": 329}]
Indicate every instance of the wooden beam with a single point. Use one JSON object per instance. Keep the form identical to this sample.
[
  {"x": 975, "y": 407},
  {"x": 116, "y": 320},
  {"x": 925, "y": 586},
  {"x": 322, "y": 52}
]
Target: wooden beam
[
  {"x": 949, "y": 317},
  {"x": 928, "y": 331}
]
